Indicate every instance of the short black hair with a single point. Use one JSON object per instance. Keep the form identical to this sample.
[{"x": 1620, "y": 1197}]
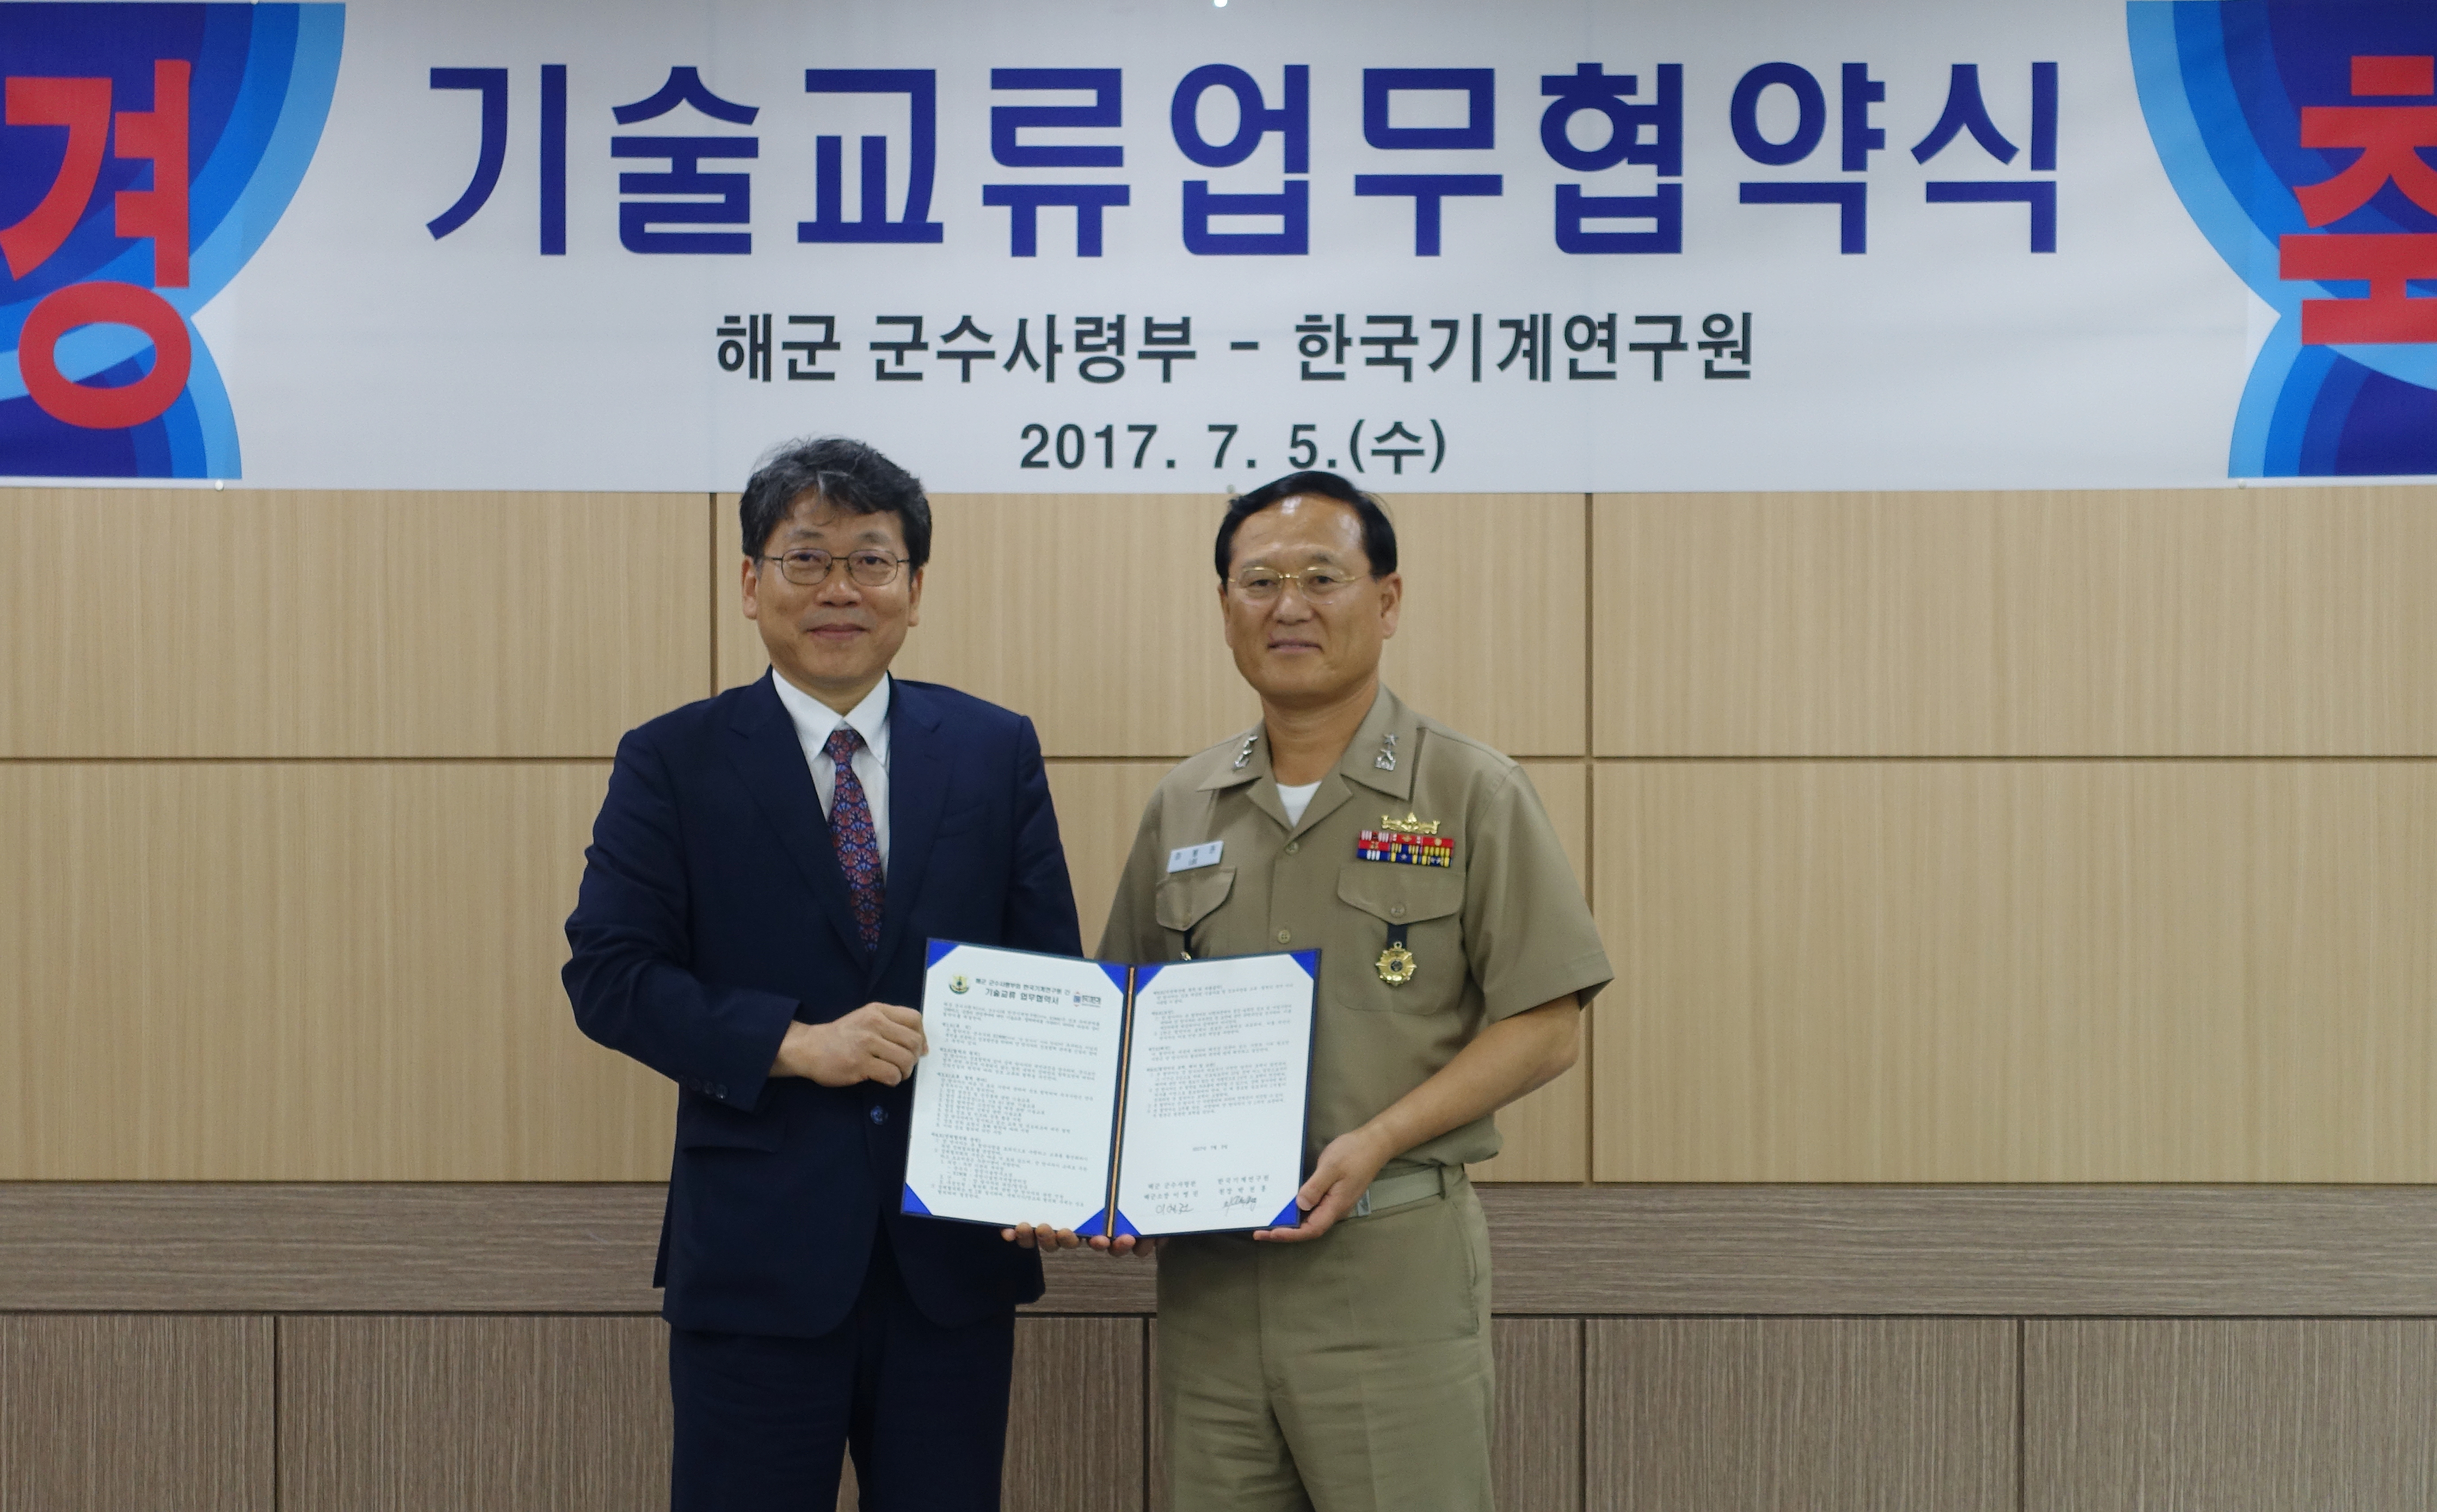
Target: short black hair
[
  {"x": 1378, "y": 531},
  {"x": 850, "y": 475}
]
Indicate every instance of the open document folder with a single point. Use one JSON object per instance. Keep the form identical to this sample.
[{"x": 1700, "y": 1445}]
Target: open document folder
[{"x": 1112, "y": 1099}]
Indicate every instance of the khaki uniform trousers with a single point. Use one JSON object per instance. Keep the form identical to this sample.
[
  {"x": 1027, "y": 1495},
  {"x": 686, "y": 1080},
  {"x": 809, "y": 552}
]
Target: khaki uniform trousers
[{"x": 1350, "y": 1374}]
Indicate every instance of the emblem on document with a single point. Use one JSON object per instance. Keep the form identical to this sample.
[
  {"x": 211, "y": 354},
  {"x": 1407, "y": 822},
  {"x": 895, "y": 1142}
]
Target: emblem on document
[
  {"x": 961, "y": 982},
  {"x": 1396, "y": 964}
]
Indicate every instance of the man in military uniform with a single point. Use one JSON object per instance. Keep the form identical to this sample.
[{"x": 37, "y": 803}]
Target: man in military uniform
[{"x": 1345, "y": 1363}]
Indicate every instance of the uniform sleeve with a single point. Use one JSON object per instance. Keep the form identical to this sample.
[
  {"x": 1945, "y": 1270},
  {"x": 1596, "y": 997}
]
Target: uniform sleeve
[
  {"x": 1133, "y": 936},
  {"x": 1528, "y": 933}
]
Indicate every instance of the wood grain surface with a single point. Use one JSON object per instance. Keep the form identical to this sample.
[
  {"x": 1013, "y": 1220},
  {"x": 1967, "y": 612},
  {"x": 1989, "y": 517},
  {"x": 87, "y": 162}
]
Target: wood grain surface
[
  {"x": 1560, "y": 1251},
  {"x": 115, "y": 1413},
  {"x": 1996, "y": 1251},
  {"x": 270, "y": 972},
  {"x": 1157, "y": 1489},
  {"x": 2239, "y": 621},
  {"x": 1098, "y": 615},
  {"x": 2179, "y": 972},
  {"x": 1547, "y": 1135},
  {"x": 416, "y": 1413},
  {"x": 1093, "y": 614},
  {"x": 421, "y": 1412},
  {"x": 373, "y": 1248},
  {"x": 1099, "y": 807},
  {"x": 1536, "y": 1463},
  {"x": 346, "y": 624},
  {"x": 1074, "y": 1426},
  {"x": 1799, "y": 1415},
  {"x": 2230, "y": 1415},
  {"x": 462, "y": 1414}
]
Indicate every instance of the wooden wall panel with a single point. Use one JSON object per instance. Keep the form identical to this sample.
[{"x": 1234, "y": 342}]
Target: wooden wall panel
[
  {"x": 303, "y": 972},
  {"x": 1736, "y": 1249},
  {"x": 1494, "y": 631},
  {"x": 1999, "y": 971},
  {"x": 1537, "y": 1460},
  {"x": 2229, "y": 1415},
  {"x": 1075, "y": 1428},
  {"x": 116, "y": 1414},
  {"x": 1157, "y": 1492},
  {"x": 1099, "y": 807},
  {"x": 196, "y": 623},
  {"x": 1126, "y": 659},
  {"x": 1093, "y": 614},
  {"x": 2270, "y": 621},
  {"x": 1548, "y": 1134},
  {"x": 1809, "y": 1414},
  {"x": 2224, "y": 1251},
  {"x": 404, "y": 1413}
]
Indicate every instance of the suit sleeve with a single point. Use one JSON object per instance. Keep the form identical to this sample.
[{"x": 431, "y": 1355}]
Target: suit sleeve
[
  {"x": 1133, "y": 936},
  {"x": 627, "y": 974},
  {"x": 1040, "y": 895}
]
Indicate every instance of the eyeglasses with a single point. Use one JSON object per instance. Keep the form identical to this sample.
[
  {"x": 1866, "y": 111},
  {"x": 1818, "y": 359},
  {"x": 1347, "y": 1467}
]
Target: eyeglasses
[
  {"x": 810, "y": 568},
  {"x": 1319, "y": 584}
]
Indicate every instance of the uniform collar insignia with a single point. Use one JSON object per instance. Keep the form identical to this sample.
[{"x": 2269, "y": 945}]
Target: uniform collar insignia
[
  {"x": 1383, "y": 751},
  {"x": 1240, "y": 760}
]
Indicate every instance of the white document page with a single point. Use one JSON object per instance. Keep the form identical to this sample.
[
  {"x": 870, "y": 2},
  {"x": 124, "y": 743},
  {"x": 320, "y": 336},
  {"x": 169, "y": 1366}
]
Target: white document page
[
  {"x": 1015, "y": 1099},
  {"x": 1221, "y": 1065}
]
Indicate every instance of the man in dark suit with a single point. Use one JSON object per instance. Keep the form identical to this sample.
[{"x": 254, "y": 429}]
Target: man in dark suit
[{"x": 763, "y": 877}]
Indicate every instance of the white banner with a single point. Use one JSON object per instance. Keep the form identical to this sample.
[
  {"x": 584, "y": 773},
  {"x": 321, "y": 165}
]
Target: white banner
[{"x": 1558, "y": 245}]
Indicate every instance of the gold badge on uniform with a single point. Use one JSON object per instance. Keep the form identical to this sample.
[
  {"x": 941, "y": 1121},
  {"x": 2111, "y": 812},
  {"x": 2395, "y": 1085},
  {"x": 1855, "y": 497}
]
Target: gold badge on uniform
[
  {"x": 1410, "y": 841},
  {"x": 1396, "y": 962}
]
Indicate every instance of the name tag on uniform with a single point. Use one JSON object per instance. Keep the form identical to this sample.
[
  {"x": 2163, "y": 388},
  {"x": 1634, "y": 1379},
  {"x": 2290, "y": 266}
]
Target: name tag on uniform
[{"x": 1185, "y": 858}]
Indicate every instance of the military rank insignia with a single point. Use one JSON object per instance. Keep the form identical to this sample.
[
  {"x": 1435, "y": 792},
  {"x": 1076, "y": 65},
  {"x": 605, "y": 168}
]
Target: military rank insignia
[{"x": 1409, "y": 841}]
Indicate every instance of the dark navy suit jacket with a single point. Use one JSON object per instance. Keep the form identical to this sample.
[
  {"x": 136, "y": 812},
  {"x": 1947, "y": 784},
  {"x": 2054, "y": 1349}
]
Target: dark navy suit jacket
[{"x": 713, "y": 911}]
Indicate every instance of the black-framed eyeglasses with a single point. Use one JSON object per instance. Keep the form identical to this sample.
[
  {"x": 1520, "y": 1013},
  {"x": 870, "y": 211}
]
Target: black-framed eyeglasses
[{"x": 808, "y": 567}]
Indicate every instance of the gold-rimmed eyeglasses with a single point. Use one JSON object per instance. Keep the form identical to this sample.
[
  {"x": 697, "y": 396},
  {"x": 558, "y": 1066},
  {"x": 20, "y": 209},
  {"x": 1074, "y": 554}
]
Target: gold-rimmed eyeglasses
[
  {"x": 808, "y": 567},
  {"x": 1319, "y": 584}
]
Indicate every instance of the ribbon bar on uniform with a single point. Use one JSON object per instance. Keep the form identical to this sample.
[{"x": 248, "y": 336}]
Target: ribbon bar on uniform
[{"x": 1412, "y": 851}]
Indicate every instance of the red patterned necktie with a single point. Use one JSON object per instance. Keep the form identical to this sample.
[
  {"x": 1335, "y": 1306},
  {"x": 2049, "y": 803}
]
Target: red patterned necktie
[{"x": 858, "y": 847}]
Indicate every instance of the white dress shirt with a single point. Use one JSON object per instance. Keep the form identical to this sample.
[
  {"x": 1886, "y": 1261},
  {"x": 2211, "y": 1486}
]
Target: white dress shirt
[{"x": 815, "y": 722}]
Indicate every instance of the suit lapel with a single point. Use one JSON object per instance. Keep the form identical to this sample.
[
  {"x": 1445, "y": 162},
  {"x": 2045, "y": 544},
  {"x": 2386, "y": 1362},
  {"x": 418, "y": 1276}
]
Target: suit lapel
[
  {"x": 761, "y": 742},
  {"x": 918, "y": 791}
]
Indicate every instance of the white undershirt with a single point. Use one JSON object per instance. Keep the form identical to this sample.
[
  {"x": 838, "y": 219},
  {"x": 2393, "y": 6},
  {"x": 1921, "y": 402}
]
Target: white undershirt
[
  {"x": 815, "y": 722},
  {"x": 1296, "y": 800}
]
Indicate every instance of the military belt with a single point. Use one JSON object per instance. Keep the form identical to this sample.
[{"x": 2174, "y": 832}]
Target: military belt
[{"x": 1410, "y": 1187}]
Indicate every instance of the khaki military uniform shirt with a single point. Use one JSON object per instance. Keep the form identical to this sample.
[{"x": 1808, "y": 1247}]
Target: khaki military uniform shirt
[{"x": 1500, "y": 930}]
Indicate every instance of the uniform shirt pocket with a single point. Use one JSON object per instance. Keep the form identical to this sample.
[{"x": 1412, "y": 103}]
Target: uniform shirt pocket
[
  {"x": 1426, "y": 900},
  {"x": 1183, "y": 899}
]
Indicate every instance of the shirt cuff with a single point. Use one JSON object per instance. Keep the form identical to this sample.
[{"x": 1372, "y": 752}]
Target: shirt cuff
[{"x": 1583, "y": 976}]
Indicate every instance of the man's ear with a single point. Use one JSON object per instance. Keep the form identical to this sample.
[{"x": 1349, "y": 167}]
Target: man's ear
[
  {"x": 914, "y": 598},
  {"x": 752, "y": 589},
  {"x": 1392, "y": 603}
]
